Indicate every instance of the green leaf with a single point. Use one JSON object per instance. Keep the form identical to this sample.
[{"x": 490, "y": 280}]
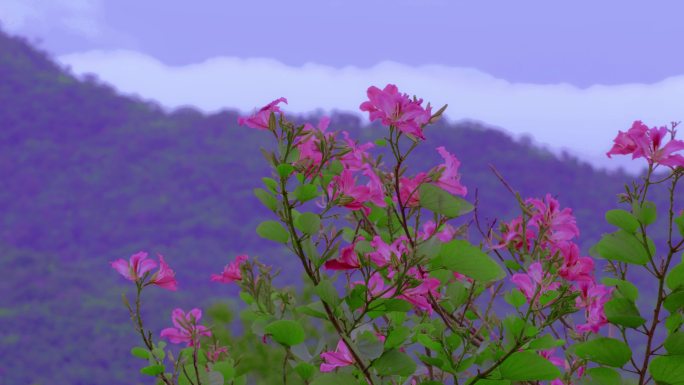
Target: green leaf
[
  {"x": 335, "y": 379},
  {"x": 286, "y": 332},
  {"x": 646, "y": 213},
  {"x": 528, "y": 366},
  {"x": 674, "y": 344},
  {"x": 140, "y": 352},
  {"x": 227, "y": 369},
  {"x": 428, "y": 342},
  {"x": 626, "y": 288},
  {"x": 266, "y": 198},
  {"x": 327, "y": 292},
  {"x": 369, "y": 346},
  {"x": 675, "y": 278},
  {"x": 679, "y": 221},
  {"x": 308, "y": 223},
  {"x": 622, "y": 246},
  {"x": 673, "y": 322},
  {"x": 621, "y": 311},
  {"x": 284, "y": 170},
  {"x": 604, "y": 351},
  {"x": 314, "y": 309},
  {"x": 356, "y": 298},
  {"x": 393, "y": 362},
  {"x": 674, "y": 301},
  {"x": 515, "y": 298},
  {"x": 153, "y": 370},
  {"x": 545, "y": 342},
  {"x": 603, "y": 376},
  {"x": 460, "y": 256},
  {"x": 457, "y": 294},
  {"x": 381, "y": 142},
  {"x": 442, "y": 202},
  {"x": 305, "y": 192},
  {"x": 667, "y": 370},
  {"x": 305, "y": 370},
  {"x": 273, "y": 231},
  {"x": 623, "y": 219},
  {"x": 270, "y": 183},
  {"x": 397, "y": 336}
]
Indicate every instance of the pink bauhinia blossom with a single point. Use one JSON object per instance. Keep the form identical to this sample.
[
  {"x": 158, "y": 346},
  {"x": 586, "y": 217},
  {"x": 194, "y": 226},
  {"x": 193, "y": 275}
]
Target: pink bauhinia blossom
[
  {"x": 449, "y": 178},
  {"x": 419, "y": 296},
  {"x": 135, "y": 268},
  {"x": 165, "y": 277},
  {"x": 231, "y": 272},
  {"x": 575, "y": 268},
  {"x": 339, "y": 358},
  {"x": 357, "y": 154},
  {"x": 535, "y": 282},
  {"x": 408, "y": 189},
  {"x": 446, "y": 233},
  {"x": 644, "y": 142},
  {"x": 376, "y": 191},
  {"x": 348, "y": 259},
  {"x": 592, "y": 298},
  {"x": 308, "y": 145},
  {"x": 260, "y": 119},
  {"x": 186, "y": 328},
  {"x": 513, "y": 235},
  {"x": 383, "y": 253},
  {"x": 351, "y": 195},
  {"x": 561, "y": 224},
  {"x": 396, "y": 109}
]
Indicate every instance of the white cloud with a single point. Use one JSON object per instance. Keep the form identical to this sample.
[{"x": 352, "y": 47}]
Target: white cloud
[
  {"x": 561, "y": 116},
  {"x": 30, "y": 16}
]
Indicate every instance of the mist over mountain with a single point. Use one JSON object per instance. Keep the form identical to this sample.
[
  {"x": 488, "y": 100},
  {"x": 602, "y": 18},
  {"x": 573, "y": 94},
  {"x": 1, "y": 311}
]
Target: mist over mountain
[{"x": 88, "y": 176}]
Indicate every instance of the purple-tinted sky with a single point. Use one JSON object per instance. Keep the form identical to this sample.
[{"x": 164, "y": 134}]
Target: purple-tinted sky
[
  {"x": 570, "y": 74},
  {"x": 579, "y": 42}
]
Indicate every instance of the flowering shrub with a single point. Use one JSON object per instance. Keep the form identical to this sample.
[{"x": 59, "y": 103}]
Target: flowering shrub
[{"x": 405, "y": 294}]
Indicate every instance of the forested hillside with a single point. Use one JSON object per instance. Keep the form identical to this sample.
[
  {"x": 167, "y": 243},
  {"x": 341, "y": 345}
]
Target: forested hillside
[{"x": 88, "y": 175}]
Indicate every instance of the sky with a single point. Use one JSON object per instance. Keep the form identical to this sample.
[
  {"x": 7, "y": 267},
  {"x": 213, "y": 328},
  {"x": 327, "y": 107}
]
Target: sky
[{"x": 568, "y": 74}]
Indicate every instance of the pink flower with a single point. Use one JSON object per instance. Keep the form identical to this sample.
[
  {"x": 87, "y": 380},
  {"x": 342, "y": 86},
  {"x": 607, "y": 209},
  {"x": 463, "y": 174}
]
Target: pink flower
[
  {"x": 575, "y": 268},
  {"x": 338, "y": 358},
  {"x": 445, "y": 235},
  {"x": 165, "y": 277},
  {"x": 383, "y": 252},
  {"x": 395, "y": 109},
  {"x": 376, "y": 287},
  {"x": 548, "y": 354},
  {"x": 534, "y": 282},
  {"x": 592, "y": 298},
  {"x": 513, "y": 235},
  {"x": 231, "y": 272},
  {"x": 449, "y": 179},
  {"x": 260, "y": 119},
  {"x": 419, "y": 296},
  {"x": 376, "y": 192},
  {"x": 186, "y": 328},
  {"x": 355, "y": 159},
  {"x": 644, "y": 142},
  {"x": 560, "y": 223},
  {"x": 308, "y": 145},
  {"x": 214, "y": 353},
  {"x": 136, "y": 268},
  {"x": 348, "y": 260},
  {"x": 352, "y": 196},
  {"x": 408, "y": 189}
]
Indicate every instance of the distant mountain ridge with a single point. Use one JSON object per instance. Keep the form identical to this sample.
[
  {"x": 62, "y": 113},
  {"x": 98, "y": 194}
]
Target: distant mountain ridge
[{"x": 88, "y": 176}]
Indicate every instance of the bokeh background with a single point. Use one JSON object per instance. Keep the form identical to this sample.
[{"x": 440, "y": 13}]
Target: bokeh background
[{"x": 118, "y": 133}]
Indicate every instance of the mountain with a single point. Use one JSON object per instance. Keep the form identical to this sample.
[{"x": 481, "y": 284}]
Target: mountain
[{"x": 88, "y": 175}]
